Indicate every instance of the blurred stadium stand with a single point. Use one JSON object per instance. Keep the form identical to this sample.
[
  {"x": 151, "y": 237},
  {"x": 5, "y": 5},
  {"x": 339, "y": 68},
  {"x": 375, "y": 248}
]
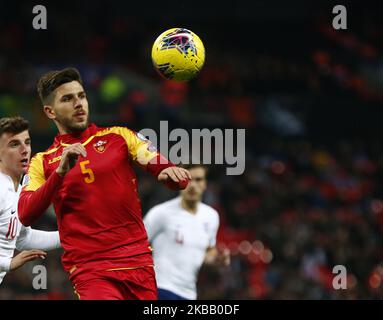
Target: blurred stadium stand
[{"x": 310, "y": 98}]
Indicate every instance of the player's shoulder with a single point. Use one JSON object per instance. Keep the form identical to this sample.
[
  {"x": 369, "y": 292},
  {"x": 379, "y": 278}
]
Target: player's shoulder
[
  {"x": 3, "y": 180},
  {"x": 38, "y": 158},
  {"x": 166, "y": 206},
  {"x": 5, "y": 187},
  {"x": 172, "y": 203},
  {"x": 113, "y": 129},
  {"x": 209, "y": 212},
  {"x": 124, "y": 132}
]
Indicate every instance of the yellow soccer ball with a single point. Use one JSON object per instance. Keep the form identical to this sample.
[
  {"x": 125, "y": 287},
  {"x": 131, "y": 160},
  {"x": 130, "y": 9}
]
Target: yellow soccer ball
[{"x": 178, "y": 54}]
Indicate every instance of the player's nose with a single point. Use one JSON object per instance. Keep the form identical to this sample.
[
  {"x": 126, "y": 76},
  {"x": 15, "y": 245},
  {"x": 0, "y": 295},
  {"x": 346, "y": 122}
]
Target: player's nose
[
  {"x": 78, "y": 105},
  {"x": 24, "y": 150}
]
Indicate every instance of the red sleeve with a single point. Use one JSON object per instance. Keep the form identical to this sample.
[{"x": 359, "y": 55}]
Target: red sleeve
[
  {"x": 32, "y": 204},
  {"x": 159, "y": 163},
  {"x": 144, "y": 154}
]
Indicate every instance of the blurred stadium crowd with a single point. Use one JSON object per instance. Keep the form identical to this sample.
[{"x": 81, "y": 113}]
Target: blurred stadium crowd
[{"x": 310, "y": 99}]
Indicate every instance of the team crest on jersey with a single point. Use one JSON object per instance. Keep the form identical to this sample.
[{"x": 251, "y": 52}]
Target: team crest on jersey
[
  {"x": 141, "y": 137},
  {"x": 100, "y": 146}
]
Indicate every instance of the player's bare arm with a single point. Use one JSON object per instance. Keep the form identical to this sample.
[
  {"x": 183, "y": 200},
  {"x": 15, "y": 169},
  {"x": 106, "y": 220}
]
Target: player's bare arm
[
  {"x": 69, "y": 158},
  {"x": 26, "y": 256}
]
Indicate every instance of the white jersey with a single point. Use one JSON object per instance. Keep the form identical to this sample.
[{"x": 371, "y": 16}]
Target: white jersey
[
  {"x": 179, "y": 240},
  {"x": 12, "y": 233}
]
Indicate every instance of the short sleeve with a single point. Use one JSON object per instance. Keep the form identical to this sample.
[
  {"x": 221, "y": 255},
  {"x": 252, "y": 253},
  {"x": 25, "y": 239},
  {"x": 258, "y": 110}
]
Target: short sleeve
[
  {"x": 35, "y": 177},
  {"x": 141, "y": 150}
]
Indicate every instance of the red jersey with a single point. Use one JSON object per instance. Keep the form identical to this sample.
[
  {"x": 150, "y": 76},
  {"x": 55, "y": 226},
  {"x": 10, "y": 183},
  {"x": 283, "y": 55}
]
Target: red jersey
[{"x": 97, "y": 204}]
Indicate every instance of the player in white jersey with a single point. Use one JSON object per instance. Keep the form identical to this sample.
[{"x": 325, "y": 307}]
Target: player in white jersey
[
  {"x": 182, "y": 232},
  {"x": 15, "y": 152}
]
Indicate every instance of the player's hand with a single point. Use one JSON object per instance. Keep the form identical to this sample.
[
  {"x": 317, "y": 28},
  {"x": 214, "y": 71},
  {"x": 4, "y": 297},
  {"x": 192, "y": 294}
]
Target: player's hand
[
  {"x": 175, "y": 177},
  {"x": 69, "y": 158},
  {"x": 223, "y": 257},
  {"x": 25, "y": 256}
]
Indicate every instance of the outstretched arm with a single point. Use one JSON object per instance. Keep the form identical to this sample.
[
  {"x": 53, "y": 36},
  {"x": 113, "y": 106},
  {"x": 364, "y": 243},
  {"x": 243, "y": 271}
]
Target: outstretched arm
[
  {"x": 37, "y": 239},
  {"x": 9, "y": 264},
  {"x": 145, "y": 154}
]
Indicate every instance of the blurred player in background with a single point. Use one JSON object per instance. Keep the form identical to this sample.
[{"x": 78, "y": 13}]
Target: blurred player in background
[
  {"x": 88, "y": 175},
  {"x": 15, "y": 152},
  {"x": 183, "y": 234}
]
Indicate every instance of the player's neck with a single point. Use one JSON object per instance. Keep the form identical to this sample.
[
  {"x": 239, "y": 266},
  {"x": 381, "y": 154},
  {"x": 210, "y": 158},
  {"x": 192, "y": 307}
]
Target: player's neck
[
  {"x": 15, "y": 178},
  {"x": 189, "y": 206},
  {"x": 63, "y": 130}
]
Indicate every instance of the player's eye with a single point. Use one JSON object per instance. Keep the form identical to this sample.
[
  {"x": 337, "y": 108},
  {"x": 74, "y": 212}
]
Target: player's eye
[{"x": 66, "y": 98}]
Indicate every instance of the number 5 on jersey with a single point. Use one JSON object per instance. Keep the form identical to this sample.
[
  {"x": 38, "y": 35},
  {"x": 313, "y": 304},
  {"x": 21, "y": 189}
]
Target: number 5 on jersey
[{"x": 87, "y": 172}]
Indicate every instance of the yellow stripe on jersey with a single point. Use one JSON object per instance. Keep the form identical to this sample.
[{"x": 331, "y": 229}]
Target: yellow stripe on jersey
[
  {"x": 84, "y": 143},
  {"x": 36, "y": 172},
  {"x": 49, "y": 151},
  {"x": 76, "y": 292},
  {"x": 130, "y": 268},
  {"x": 138, "y": 147}
]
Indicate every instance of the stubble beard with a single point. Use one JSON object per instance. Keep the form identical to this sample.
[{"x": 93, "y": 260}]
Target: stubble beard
[{"x": 72, "y": 127}]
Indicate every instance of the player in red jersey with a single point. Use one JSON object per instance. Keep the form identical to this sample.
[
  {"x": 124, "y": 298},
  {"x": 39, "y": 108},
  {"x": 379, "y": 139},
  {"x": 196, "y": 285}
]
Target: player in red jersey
[{"x": 88, "y": 176}]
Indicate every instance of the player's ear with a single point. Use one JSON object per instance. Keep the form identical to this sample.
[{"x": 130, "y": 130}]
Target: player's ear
[{"x": 48, "y": 110}]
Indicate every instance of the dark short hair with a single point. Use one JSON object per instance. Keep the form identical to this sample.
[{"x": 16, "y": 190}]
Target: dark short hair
[
  {"x": 14, "y": 125},
  {"x": 51, "y": 80}
]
